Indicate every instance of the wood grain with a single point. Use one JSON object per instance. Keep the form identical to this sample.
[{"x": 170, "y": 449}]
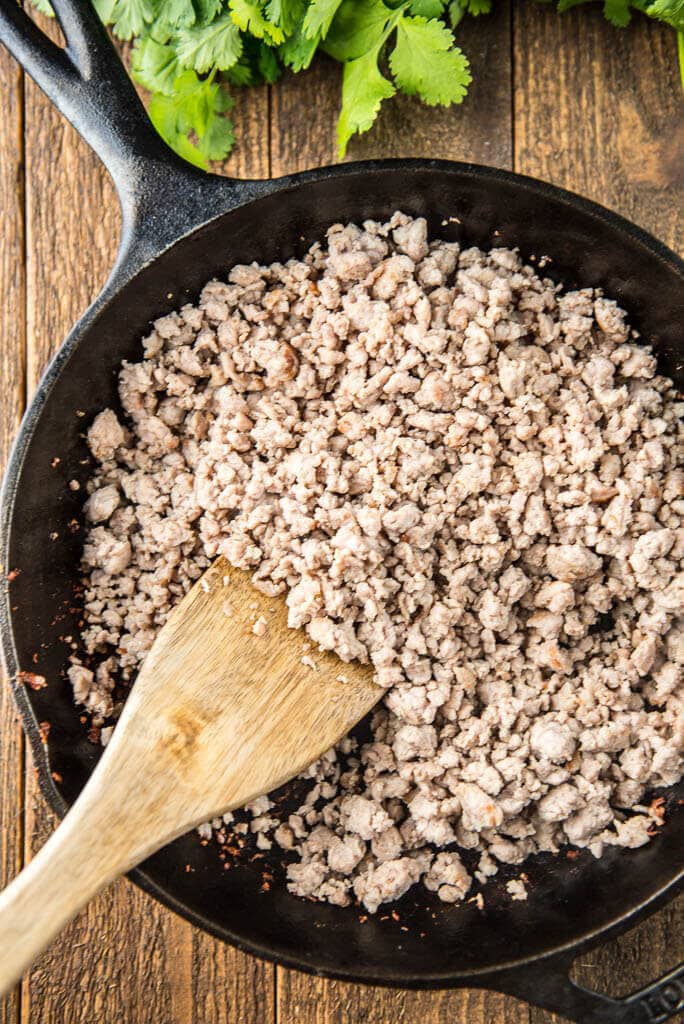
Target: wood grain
[
  {"x": 604, "y": 116},
  {"x": 250, "y": 158},
  {"x": 12, "y": 375},
  {"x": 305, "y": 1000}
]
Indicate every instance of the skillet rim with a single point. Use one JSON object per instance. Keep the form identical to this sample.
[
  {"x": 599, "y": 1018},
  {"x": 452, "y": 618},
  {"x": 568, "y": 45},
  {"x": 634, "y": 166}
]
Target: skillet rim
[{"x": 239, "y": 194}]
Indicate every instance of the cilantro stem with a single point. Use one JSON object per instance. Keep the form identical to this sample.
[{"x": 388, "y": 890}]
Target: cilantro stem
[{"x": 392, "y": 23}]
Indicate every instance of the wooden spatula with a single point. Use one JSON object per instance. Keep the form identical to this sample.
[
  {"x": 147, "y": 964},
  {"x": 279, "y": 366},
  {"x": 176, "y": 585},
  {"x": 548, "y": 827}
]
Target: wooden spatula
[{"x": 218, "y": 715}]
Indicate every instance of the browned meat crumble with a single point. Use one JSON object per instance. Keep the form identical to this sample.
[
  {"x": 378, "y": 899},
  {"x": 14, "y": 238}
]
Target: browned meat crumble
[{"x": 454, "y": 470}]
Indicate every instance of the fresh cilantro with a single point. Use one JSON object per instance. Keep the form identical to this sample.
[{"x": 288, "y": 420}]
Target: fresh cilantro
[
  {"x": 318, "y": 18},
  {"x": 267, "y": 64},
  {"x": 154, "y": 65},
  {"x": 249, "y": 17},
  {"x": 357, "y": 28},
  {"x": 458, "y": 9},
  {"x": 183, "y": 49},
  {"x": 363, "y": 90},
  {"x": 216, "y": 45},
  {"x": 669, "y": 11},
  {"x": 284, "y": 13},
  {"x": 425, "y": 61},
  {"x": 105, "y": 9},
  {"x": 218, "y": 137},
  {"x": 364, "y": 87},
  {"x": 128, "y": 18},
  {"x": 241, "y": 73},
  {"x": 187, "y": 119},
  {"x": 297, "y": 52},
  {"x": 616, "y": 11},
  {"x": 177, "y": 13},
  {"x": 427, "y": 8},
  {"x": 207, "y": 9}
]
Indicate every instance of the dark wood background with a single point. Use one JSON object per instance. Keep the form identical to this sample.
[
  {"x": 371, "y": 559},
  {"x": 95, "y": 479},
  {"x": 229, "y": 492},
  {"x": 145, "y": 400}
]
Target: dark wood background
[{"x": 566, "y": 98}]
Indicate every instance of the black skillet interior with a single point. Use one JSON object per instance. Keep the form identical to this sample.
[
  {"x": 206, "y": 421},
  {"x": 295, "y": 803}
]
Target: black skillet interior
[{"x": 571, "y": 899}]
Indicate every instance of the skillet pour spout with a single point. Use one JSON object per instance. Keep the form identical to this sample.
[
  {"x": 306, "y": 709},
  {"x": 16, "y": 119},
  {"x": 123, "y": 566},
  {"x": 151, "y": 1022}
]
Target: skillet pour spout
[{"x": 181, "y": 227}]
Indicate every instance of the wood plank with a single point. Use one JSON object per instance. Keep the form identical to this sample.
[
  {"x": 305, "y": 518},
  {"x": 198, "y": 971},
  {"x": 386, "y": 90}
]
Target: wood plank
[
  {"x": 302, "y": 135},
  {"x": 603, "y": 119},
  {"x": 305, "y": 1000},
  {"x": 125, "y": 957},
  {"x": 229, "y": 987},
  {"x": 303, "y": 132},
  {"x": 250, "y": 158},
  {"x": 12, "y": 375}
]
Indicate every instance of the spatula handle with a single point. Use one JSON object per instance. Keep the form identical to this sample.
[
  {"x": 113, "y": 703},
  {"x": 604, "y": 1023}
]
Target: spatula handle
[
  {"x": 120, "y": 817},
  {"x": 77, "y": 861}
]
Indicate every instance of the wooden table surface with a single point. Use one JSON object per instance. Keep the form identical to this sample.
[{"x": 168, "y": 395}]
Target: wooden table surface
[{"x": 568, "y": 99}]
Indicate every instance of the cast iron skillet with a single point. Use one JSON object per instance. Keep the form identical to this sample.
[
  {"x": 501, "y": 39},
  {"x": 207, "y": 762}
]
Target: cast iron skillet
[{"x": 180, "y": 227}]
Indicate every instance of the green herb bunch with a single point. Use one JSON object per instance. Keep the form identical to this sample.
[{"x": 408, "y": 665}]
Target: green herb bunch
[{"x": 184, "y": 51}]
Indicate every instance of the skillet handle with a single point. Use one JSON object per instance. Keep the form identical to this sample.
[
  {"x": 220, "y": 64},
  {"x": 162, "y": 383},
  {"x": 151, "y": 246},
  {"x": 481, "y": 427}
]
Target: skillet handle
[
  {"x": 548, "y": 984},
  {"x": 162, "y": 197}
]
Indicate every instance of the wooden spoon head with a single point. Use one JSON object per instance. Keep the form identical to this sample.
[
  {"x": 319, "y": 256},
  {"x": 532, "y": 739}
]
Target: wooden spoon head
[{"x": 219, "y": 715}]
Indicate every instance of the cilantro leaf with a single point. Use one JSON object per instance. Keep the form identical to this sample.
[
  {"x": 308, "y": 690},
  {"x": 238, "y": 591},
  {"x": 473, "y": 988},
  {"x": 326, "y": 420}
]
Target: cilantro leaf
[
  {"x": 248, "y": 17},
  {"x": 258, "y": 63},
  {"x": 284, "y": 13},
  {"x": 427, "y": 8},
  {"x": 297, "y": 52},
  {"x": 459, "y": 8},
  {"x": 192, "y": 110},
  {"x": 301, "y": 44},
  {"x": 154, "y": 65},
  {"x": 319, "y": 16},
  {"x": 176, "y": 13},
  {"x": 216, "y": 45},
  {"x": 267, "y": 63},
  {"x": 617, "y": 12},
  {"x": 218, "y": 139},
  {"x": 669, "y": 11},
  {"x": 241, "y": 73},
  {"x": 104, "y": 9},
  {"x": 207, "y": 9},
  {"x": 457, "y": 11},
  {"x": 128, "y": 18},
  {"x": 357, "y": 28},
  {"x": 363, "y": 90},
  {"x": 425, "y": 61}
]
